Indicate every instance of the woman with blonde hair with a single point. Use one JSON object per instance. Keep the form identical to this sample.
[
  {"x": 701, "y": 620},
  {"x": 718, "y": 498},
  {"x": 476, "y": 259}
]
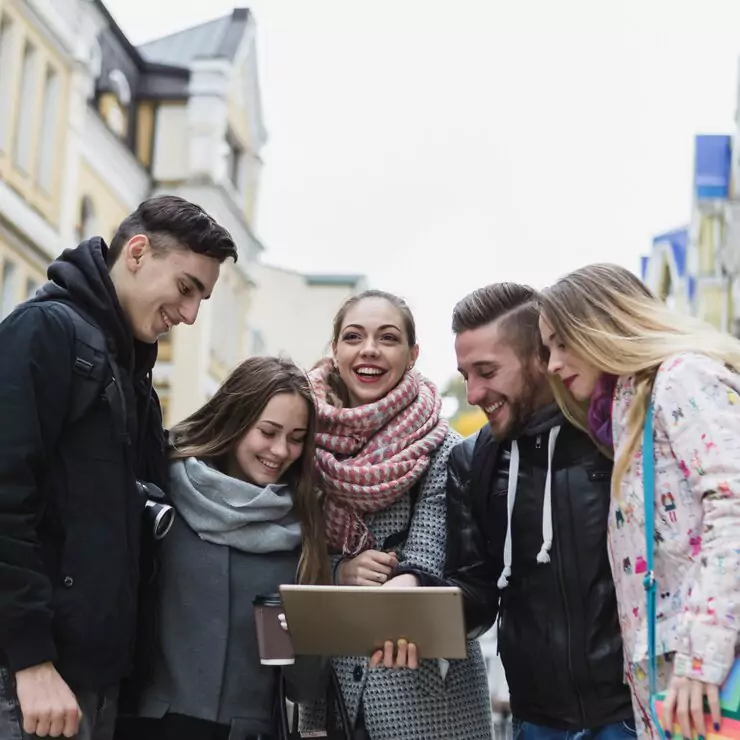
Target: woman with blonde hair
[{"x": 621, "y": 358}]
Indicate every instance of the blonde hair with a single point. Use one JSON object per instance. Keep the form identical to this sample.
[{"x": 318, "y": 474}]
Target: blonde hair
[{"x": 606, "y": 316}]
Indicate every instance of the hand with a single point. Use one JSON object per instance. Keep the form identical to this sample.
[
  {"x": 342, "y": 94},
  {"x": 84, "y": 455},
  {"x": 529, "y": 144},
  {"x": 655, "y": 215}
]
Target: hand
[
  {"x": 405, "y": 580},
  {"x": 685, "y": 700},
  {"x": 48, "y": 706},
  {"x": 369, "y": 568},
  {"x": 406, "y": 656}
]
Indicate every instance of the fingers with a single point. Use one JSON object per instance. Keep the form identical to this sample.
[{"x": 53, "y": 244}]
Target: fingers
[
  {"x": 372, "y": 577},
  {"x": 72, "y": 723},
  {"x": 413, "y": 656},
  {"x": 387, "y": 560},
  {"x": 669, "y": 707},
  {"x": 683, "y": 715},
  {"x": 388, "y": 654},
  {"x": 714, "y": 708},
  {"x": 403, "y": 654},
  {"x": 696, "y": 707},
  {"x": 376, "y": 658}
]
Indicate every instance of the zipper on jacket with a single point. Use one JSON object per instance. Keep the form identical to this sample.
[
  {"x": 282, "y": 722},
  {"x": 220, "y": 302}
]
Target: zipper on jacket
[
  {"x": 538, "y": 442},
  {"x": 563, "y": 595}
]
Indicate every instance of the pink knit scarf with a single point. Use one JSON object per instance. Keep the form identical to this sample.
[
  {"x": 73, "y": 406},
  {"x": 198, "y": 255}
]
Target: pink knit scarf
[{"x": 369, "y": 456}]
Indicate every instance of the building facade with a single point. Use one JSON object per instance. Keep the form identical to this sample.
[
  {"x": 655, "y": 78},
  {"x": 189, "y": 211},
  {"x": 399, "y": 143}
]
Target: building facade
[
  {"x": 696, "y": 268},
  {"x": 90, "y": 126}
]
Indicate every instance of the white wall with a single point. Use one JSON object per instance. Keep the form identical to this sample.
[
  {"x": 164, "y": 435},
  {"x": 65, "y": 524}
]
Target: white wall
[
  {"x": 294, "y": 318},
  {"x": 171, "y": 143}
]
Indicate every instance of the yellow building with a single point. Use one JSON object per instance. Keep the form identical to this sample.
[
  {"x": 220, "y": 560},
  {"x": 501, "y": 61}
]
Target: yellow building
[{"x": 90, "y": 126}]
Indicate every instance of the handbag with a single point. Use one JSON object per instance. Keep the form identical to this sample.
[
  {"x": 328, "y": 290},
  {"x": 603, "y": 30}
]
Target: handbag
[
  {"x": 729, "y": 695},
  {"x": 334, "y": 701}
]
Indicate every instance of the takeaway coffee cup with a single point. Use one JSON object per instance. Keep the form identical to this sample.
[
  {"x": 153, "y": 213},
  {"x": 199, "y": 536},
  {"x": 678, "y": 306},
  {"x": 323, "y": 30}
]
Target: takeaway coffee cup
[{"x": 275, "y": 645}]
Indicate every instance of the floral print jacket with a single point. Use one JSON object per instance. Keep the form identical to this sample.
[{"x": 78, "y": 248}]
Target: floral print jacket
[{"x": 697, "y": 518}]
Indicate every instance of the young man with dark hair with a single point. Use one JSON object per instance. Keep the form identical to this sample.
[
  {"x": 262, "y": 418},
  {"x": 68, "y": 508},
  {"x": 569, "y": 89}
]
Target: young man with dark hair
[
  {"x": 80, "y": 432},
  {"x": 527, "y": 509}
]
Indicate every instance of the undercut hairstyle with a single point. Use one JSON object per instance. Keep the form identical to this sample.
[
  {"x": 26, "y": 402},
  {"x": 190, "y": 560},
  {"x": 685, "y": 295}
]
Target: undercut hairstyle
[
  {"x": 170, "y": 222},
  {"x": 514, "y": 306}
]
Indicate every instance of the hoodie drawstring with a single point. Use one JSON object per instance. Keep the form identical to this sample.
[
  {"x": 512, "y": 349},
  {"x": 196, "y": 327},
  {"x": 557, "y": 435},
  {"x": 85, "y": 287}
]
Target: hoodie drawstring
[
  {"x": 544, "y": 554},
  {"x": 503, "y": 582}
]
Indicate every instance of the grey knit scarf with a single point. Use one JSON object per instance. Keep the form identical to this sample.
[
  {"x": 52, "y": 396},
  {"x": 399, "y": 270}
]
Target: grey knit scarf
[{"x": 228, "y": 511}]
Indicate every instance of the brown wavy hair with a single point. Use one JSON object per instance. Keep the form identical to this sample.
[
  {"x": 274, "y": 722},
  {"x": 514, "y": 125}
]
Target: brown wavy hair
[{"x": 214, "y": 430}]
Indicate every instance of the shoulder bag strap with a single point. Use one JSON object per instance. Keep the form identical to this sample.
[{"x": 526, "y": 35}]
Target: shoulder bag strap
[{"x": 651, "y": 587}]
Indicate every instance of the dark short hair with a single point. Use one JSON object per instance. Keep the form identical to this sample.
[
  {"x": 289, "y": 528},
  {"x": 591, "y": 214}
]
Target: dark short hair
[
  {"x": 165, "y": 219},
  {"x": 514, "y": 306}
]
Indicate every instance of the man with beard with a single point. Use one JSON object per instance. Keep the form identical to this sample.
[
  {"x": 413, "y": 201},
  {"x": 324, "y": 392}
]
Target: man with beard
[{"x": 528, "y": 502}]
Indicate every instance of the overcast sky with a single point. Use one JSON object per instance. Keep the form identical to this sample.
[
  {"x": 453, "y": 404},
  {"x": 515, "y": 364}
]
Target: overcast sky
[{"x": 439, "y": 146}]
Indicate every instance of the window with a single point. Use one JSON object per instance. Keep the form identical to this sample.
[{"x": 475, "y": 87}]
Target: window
[
  {"x": 49, "y": 129},
  {"x": 31, "y": 287},
  {"x": 8, "y": 296},
  {"x": 235, "y": 162},
  {"x": 6, "y": 78},
  {"x": 86, "y": 226},
  {"x": 27, "y": 110}
]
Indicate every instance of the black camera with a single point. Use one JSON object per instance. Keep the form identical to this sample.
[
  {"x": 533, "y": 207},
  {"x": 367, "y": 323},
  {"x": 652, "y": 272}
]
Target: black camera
[{"x": 159, "y": 514}]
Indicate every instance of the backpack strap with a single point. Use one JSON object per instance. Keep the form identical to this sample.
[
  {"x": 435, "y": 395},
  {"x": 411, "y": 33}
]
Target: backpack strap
[{"x": 94, "y": 371}]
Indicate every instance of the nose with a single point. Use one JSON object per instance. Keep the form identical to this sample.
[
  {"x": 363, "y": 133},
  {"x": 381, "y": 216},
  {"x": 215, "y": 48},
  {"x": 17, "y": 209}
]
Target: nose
[
  {"x": 475, "y": 393},
  {"x": 368, "y": 348},
  {"x": 189, "y": 311},
  {"x": 554, "y": 364},
  {"x": 279, "y": 448}
]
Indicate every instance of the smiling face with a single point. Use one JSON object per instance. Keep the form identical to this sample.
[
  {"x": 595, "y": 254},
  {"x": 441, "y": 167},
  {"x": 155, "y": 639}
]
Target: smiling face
[
  {"x": 158, "y": 289},
  {"x": 274, "y": 443},
  {"x": 578, "y": 376},
  {"x": 372, "y": 350},
  {"x": 505, "y": 388}
]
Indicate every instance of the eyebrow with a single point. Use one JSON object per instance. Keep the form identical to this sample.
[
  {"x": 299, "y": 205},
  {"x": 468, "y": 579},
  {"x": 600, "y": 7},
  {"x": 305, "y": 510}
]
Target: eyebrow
[
  {"x": 280, "y": 426},
  {"x": 492, "y": 364},
  {"x": 198, "y": 284},
  {"x": 380, "y": 328}
]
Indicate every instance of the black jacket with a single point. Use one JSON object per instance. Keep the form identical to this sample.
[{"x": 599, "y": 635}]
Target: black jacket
[
  {"x": 558, "y": 634},
  {"x": 70, "y": 514}
]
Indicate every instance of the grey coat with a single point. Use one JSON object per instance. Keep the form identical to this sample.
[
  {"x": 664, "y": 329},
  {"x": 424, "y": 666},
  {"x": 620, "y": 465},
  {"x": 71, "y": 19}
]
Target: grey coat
[
  {"x": 422, "y": 704},
  {"x": 207, "y": 663}
]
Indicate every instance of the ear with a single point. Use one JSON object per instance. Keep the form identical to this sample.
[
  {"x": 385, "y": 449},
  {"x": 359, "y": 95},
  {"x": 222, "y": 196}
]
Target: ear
[
  {"x": 413, "y": 356},
  {"x": 136, "y": 247}
]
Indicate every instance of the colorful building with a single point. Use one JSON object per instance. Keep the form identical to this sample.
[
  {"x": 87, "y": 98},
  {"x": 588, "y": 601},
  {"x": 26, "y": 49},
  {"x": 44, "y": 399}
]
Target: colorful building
[
  {"x": 695, "y": 268},
  {"x": 91, "y": 125}
]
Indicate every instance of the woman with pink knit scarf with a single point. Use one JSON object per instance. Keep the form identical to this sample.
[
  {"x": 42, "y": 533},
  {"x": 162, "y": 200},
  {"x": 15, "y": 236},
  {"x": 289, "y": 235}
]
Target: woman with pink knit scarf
[{"x": 382, "y": 450}]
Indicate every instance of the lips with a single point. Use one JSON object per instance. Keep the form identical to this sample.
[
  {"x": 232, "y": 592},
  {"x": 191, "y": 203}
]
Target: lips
[
  {"x": 269, "y": 465},
  {"x": 568, "y": 382},
  {"x": 166, "y": 320},
  {"x": 493, "y": 409},
  {"x": 368, "y": 373}
]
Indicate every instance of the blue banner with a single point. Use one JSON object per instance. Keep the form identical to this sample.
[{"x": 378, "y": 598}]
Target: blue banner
[{"x": 712, "y": 166}]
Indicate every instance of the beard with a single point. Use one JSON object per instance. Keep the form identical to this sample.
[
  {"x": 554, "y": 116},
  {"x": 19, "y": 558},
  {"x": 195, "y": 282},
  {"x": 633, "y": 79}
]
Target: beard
[{"x": 532, "y": 395}]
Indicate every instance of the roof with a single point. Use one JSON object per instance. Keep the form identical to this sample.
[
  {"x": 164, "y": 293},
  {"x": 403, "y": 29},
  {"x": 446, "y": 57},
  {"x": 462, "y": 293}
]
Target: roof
[
  {"x": 216, "y": 39},
  {"x": 334, "y": 279}
]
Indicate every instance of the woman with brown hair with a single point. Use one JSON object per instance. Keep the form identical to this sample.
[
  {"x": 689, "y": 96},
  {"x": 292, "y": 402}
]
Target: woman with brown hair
[
  {"x": 248, "y": 519},
  {"x": 381, "y": 456}
]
